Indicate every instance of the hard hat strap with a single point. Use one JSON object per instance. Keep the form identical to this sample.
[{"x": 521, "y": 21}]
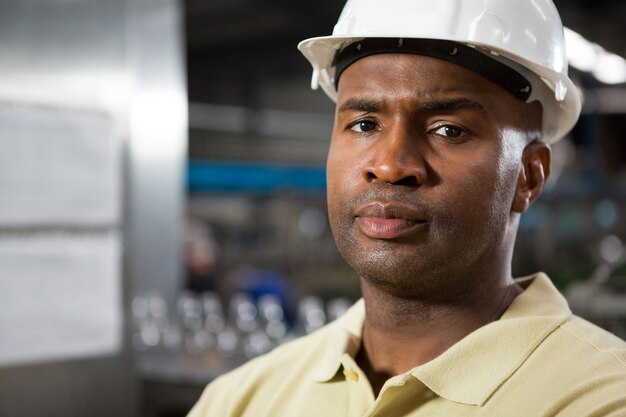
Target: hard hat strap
[{"x": 453, "y": 52}]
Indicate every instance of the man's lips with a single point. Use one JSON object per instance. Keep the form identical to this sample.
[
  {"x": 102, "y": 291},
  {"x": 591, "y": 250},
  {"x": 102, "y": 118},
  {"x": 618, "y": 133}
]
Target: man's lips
[{"x": 388, "y": 220}]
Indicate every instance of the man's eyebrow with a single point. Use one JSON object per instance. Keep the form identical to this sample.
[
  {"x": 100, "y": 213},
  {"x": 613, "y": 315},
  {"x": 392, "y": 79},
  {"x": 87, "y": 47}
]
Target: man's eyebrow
[
  {"x": 373, "y": 105},
  {"x": 362, "y": 105}
]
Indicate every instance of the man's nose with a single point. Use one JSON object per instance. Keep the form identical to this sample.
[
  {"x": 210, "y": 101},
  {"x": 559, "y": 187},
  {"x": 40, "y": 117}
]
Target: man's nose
[{"x": 396, "y": 157}]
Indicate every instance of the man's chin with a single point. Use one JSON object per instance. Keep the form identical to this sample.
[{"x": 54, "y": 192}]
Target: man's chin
[{"x": 398, "y": 277}]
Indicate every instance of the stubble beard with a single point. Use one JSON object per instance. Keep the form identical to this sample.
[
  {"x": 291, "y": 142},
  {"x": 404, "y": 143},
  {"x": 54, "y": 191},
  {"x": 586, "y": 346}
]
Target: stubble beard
[{"x": 402, "y": 269}]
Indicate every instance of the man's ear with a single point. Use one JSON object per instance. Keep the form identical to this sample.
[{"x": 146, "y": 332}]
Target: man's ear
[{"x": 533, "y": 175}]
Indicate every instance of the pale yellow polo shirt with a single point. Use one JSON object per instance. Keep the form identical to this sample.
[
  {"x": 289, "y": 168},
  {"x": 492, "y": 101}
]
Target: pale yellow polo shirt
[{"x": 537, "y": 360}]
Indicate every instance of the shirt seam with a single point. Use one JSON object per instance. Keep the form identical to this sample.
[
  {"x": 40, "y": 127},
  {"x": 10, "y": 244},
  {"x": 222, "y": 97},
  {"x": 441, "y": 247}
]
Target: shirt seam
[{"x": 565, "y": 327}]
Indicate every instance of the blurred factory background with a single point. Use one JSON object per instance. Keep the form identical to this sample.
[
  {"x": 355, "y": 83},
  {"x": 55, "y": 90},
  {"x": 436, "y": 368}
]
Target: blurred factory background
[{"x": 162, "y": 195}]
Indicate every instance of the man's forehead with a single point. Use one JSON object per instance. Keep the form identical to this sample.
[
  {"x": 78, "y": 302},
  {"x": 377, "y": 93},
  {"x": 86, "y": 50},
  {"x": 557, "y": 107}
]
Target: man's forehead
[{"x": 383, "y": 77}]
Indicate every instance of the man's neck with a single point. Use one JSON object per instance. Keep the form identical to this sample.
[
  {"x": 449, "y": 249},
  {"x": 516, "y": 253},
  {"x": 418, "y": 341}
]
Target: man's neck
[{"x": 400, "y": 334}]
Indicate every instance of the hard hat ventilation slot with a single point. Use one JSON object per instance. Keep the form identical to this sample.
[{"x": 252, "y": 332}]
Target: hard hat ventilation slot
[{"x": 450, "y": 51}]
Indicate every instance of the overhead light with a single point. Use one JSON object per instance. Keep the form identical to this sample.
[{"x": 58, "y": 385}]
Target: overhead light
[
  {"x": 581, "y": 53},
  {"x": 587, "y": 56},
  {"x": 610, "y": 69}
]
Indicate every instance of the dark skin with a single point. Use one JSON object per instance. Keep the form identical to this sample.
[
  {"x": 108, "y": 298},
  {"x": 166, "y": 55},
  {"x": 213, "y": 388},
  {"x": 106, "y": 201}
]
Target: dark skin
[{"x": 429, "y": 169}]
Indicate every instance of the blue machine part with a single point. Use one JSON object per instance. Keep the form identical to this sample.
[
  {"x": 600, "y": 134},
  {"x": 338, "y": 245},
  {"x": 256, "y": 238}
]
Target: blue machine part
[{"x": 235, "y": 176}]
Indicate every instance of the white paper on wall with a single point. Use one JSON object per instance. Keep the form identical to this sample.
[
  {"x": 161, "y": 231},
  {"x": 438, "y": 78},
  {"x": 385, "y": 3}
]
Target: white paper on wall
[
  {"x": 58, "y": 167},
  {"x": 60, "y": 298}
]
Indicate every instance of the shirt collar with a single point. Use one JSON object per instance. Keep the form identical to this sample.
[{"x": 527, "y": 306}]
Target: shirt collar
[
  {"x": 345, "y": 337},
  {"x": 470, "y": 371}
]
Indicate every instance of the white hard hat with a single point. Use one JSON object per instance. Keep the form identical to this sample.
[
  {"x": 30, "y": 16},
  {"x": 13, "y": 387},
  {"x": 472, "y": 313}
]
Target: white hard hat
[{"x": 526, "y": 36}]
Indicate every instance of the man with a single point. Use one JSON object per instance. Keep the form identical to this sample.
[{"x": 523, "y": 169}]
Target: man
[{"x": 445, "y": 111}]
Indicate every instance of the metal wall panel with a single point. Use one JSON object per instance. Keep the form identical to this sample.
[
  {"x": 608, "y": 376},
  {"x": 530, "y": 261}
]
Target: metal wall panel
[{"x": 118, "y": 63}]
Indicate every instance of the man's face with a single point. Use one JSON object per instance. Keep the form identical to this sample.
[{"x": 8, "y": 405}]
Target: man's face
[{"x": 422, "y": 169}]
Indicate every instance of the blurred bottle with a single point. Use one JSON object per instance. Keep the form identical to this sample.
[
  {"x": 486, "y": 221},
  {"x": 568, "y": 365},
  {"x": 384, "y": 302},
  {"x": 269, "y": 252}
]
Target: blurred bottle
[
  {"x": 311, "y": 315},
  {"x": 150, "y": 319},
  {"x": 273, "y": 318},
  {"x": 213, "y": 312},
  {"x": 241, "y": 322},
  {"x": 195, "y": 337}
]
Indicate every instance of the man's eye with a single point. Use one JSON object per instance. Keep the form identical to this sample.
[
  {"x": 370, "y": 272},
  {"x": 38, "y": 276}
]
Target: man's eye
[
  {"x": 363, "y": 126},
  {"x": 450, "y": 131}
]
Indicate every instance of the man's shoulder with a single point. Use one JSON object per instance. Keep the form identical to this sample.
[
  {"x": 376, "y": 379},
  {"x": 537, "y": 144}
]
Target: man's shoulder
[
  {"x": 580, "y": 369},
  {"x": 567, "y": 338},
  {"x": 286, "y": 371},
  {"x": 594, "y": 342},
  {"x": 579, "y": 360}
]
